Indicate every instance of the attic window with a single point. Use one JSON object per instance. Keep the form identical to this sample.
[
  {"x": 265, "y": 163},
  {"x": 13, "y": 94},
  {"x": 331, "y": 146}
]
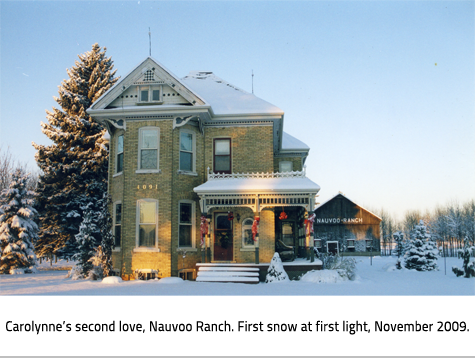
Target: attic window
[{"x": 148, "y": 76}]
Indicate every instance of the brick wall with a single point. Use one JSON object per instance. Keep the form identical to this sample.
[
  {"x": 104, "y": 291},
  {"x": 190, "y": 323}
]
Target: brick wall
[{"x": 252, "y": 151}]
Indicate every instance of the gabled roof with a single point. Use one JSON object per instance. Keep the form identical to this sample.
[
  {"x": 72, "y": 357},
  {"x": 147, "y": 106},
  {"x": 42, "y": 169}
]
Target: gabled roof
[
  {"x": 344, "y": 196},
  {"x": 198, "y": 88},
  {"x": 226, "y": 99},
  {"x": 160, "y": 71}
]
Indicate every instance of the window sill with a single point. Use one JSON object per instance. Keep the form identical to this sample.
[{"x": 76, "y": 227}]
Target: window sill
[
  {"x": 247, "y": 249},
  {"x": 145, "y": 103},
  {"x": 146, "y": 249},
  {"x": 187, "y": 249},
  {"x": 184, "y": 172},
  {"x": 117, "y": 174},
  {"x": 148, "y": 171},
  {"x": 116, "y": 249}
]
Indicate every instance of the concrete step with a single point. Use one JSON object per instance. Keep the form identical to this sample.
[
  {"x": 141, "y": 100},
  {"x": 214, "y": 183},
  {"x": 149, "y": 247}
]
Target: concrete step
[{"x": 228, "y": 273}]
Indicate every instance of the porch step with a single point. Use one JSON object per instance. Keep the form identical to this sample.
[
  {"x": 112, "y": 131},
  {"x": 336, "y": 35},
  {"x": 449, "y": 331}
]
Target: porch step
[{"x": 222, "y": 273}]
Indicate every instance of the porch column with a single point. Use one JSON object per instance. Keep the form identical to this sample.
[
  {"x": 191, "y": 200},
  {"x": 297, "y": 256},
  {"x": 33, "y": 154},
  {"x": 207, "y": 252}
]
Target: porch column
[
  {"x": 208, "y": 238},
  {"x": 255, "y": 233}
]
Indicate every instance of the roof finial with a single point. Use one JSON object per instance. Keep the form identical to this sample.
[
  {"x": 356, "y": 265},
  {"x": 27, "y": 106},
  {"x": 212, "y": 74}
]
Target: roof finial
[
  {"x": 149, "y": 42},
  {"x": 253, "y": 81}
]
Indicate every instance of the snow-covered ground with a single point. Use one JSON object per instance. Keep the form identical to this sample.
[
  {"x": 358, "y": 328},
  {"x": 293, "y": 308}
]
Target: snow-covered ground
[{"x": 380, "y": 278}]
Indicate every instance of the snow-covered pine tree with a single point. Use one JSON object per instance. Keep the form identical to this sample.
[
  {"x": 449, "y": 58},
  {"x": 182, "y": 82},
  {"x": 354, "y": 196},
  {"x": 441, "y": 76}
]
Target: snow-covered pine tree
[
  {"x": 468, "y": 266},
  {"x": 421, "y": 253},
  {"x": 105, "y": 228},
  {"x": 75, "y": 165},
  {"x": 276, "y": 272},
  {"x": 18, "y": 229},
  {"x": 87, "y": 243}
]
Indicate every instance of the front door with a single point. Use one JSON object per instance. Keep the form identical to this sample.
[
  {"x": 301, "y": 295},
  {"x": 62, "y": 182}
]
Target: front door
[{"x": 223, "y": 238}]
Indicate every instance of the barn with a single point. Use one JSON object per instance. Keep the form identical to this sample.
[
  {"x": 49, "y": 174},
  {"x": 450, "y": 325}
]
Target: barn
[{"x": 342, "y": 226}]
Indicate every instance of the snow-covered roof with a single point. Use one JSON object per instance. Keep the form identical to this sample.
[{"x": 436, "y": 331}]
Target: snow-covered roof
[
  {"x": 258, "y": 185},
  {"x": 224, "y": 98},
  {"x": 291, "y": 143},
  {"x": 344, "y": 196}
]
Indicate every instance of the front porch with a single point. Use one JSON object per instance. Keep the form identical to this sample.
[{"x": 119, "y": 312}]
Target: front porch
[{"x": 245, "y": 215}]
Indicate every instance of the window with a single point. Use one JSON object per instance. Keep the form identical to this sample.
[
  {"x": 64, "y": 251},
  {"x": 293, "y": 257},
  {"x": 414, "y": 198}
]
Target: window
[
  {"x": 147, "y": 221},
  {"x": 247, "y": 241},
  {"x": 369, "y": 244},
  {"x": 117, "y": 224},
  {"x": 285, "y": 166},
  {"x": 187, "y": 151},
  {"x": 317, "y": 243},
  {"x": 222, "y": 156},
  {"x": 150, "y": 93},
  {"x": 120, "y": 154},
  {"x": 144, "y": 94},
  {"x": 351, "y": 243},
  {"x": 148, "y": 148},
  {"x": 186, "y": 224}
]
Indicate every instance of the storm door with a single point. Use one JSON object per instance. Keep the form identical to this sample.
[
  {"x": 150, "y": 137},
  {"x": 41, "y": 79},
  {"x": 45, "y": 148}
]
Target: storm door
[
  {"x": 223, "y": 238},
  {"x": 288, "y": 233}
]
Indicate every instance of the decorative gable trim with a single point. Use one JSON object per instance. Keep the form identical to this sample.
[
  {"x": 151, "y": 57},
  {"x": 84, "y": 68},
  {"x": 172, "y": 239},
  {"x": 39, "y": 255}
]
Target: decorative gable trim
[{"x": 138, "y": 76}]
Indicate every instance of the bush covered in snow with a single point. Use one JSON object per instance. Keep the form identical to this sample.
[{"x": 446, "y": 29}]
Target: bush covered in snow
[
  {"x": 421, "y": 253},
  {"x": 276, "y": 272},
  {"x": 335, "y": 262},
  {"x": 325, "y": 276}
]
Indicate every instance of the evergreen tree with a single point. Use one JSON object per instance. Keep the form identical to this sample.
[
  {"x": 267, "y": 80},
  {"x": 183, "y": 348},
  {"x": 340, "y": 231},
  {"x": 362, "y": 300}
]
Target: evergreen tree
[
  {"x": 421, "y": 253},
  {"x": 276, "y": 272},
  {"x": 86, "y": 243},
  {"x": 75, "y": 165},
  {"x": 468, "y": 266},
  {"x": 18, "y": 229},
  {"x": 105, "y": 230}
]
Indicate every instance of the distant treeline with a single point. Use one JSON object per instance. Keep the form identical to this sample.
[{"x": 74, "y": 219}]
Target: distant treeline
[{"x": 449, "y": 226}]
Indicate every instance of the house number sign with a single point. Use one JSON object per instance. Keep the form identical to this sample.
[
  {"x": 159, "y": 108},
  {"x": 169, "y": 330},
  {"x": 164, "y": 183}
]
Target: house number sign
[{"x": 146, "y": 186}]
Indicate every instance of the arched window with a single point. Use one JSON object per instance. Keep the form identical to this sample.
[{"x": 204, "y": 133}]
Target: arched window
[{"x": 247, "y": 240}]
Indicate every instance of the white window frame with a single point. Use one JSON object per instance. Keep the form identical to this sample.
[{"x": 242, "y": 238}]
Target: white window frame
[
  {"x": 286, "y": 162},
  {"x": 368, "y": 244},
  {"x": 193, "y": 152},
  {"x": 193, "y": 225},
  {"x": 217, "y": 138},
  {"x": 139, "y": 248},
  {"x": 114, "y": 224},
  {"x": 139, "y": 170},
  {"x": 117, "y": 172},
  {"x": 348, "y": 243},
  {"x": 243, "y": 228},
  {"x": 150, "y": 89}
]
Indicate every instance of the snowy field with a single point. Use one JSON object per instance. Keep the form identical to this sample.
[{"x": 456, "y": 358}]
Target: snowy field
[{"x": 380, "y": 278}]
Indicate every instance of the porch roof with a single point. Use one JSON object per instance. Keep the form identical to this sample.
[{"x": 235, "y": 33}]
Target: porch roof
[{"x": 258, "y": 183}]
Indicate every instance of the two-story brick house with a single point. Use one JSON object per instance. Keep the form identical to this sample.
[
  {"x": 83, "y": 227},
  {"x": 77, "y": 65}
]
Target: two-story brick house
[{"x": 199, "y": 165}]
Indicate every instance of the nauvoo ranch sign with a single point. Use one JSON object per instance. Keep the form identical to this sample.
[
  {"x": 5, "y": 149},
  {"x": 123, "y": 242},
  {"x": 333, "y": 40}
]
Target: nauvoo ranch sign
[{"x": 338, "y": 220}]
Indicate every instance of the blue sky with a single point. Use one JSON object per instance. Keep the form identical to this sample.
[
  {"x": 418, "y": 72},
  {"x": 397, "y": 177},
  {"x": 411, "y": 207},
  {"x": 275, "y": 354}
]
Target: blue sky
[{"x": 382, "y": 92}]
